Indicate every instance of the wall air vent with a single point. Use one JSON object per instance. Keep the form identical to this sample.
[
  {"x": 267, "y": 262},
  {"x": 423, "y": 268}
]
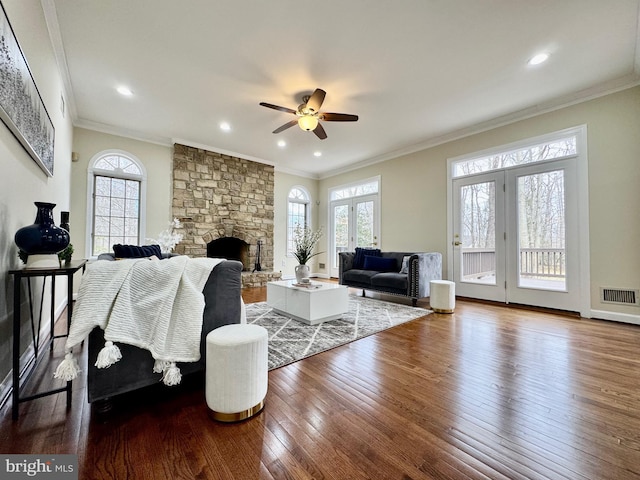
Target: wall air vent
[{"x": 620, "y": 296}]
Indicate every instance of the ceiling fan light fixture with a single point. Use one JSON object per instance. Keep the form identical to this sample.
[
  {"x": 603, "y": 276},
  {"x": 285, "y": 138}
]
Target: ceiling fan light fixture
[{"x": 308, "y": 122}]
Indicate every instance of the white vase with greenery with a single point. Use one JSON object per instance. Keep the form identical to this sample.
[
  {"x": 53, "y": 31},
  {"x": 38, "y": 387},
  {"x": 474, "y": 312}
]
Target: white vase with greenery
[{"x": 304, "y": 241}]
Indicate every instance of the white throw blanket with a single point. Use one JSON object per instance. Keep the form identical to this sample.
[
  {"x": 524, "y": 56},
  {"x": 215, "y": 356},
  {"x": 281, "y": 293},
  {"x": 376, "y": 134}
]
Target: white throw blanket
[{"x": 155, "y": 305}]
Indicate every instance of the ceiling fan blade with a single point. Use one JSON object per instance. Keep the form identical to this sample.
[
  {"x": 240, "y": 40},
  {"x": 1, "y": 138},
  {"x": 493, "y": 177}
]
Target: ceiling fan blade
[
  {"x": 338, "y": 117},
  {"x": 285, "y": 126},
  {"x": 320, "y": 133},
  {"x": 315, "y": 101},
  {"x": 276, "y": 107}
]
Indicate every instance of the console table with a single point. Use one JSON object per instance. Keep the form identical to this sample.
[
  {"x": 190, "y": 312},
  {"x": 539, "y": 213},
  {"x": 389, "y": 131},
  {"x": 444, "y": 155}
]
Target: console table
[{"x": 68, "y": 270}]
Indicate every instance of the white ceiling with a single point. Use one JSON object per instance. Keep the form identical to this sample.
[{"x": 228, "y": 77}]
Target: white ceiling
[{"x": 417, "y": 72}]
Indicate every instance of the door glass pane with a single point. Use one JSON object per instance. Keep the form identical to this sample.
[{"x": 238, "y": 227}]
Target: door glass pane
[
  {"x": 341, "y": 229},
  {"x": 364, "y": 224},
  {"x": 541, "y": 231},
  {"x": 478, "y": 233}
]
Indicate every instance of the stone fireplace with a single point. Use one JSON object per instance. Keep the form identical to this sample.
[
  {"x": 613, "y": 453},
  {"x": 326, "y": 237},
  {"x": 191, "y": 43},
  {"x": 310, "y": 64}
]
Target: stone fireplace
[{"x": 219, "y": 197}]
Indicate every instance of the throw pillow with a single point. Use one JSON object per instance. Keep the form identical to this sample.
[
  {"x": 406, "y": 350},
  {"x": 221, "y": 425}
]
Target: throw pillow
[
  {"x": 135, "y": 251},
  {"x": 380, "y": 264},
  {"x": 405, "y": 264},
  {"x": 358, "y": 259}
]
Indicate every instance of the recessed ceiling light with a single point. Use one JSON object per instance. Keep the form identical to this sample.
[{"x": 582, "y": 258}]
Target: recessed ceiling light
[
  {"x": 124, "y": 91},
  {"x": 539, "y": 58},
  {"x": 317, "y": 154},
  {"x": 282, "y": 143},
  {"x": 225, "y": 126}
]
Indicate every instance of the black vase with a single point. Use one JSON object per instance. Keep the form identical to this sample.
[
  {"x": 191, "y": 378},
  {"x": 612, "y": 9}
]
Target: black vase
[{"x": 43, "y": 237}]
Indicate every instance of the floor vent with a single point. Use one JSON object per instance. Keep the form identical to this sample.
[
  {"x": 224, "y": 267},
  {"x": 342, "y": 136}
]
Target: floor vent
[{"x": 619, "y": 296}]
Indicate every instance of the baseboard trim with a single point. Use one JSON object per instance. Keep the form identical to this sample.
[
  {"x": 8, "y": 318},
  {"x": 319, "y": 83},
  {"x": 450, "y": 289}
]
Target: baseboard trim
[{"x": 615, "y": 317}]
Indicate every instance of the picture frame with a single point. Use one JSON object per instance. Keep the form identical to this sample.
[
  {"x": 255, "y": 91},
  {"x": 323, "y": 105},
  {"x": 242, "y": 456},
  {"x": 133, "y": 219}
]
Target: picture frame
[{"x": 21, "y": 107}]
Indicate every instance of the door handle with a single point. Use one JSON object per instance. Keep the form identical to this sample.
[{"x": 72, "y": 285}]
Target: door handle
[{"x": 457, "y": 243}]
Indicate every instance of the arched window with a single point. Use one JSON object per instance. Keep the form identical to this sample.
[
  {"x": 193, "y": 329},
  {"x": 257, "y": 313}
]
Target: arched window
[
  {"x": 297, "y": 213},
  {"x": 116, "y": 189}
]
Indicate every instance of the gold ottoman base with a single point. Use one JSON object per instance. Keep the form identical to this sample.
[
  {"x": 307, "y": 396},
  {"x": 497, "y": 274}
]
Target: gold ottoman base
[{"x": 237, "y": 416}]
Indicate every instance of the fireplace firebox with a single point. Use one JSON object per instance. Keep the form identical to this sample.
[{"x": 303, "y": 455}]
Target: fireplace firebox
[{"x": 231, "y": 248}]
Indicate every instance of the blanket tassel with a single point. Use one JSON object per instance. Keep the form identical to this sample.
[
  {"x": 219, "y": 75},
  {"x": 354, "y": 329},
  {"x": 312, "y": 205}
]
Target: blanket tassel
[
  {"x": 109, "y": 355},
  {"x": 172, "y": 375},
  {"x": 160, "y": 366},
  {"x": 68, "y": 369}
]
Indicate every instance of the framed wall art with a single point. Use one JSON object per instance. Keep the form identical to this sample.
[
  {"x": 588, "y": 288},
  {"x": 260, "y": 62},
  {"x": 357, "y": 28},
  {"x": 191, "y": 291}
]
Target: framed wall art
[{"x": 21, "y": 106}]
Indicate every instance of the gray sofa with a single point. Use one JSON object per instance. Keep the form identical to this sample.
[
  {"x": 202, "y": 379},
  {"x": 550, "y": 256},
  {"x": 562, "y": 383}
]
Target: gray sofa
[
  {"x": 386, "y": 275},
  {"x": 222, "y": 293}
]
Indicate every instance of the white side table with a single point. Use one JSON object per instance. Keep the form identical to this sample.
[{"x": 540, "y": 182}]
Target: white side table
[
  {"x": 443, "y": 296},
  {"x": 236, "y": 379}
]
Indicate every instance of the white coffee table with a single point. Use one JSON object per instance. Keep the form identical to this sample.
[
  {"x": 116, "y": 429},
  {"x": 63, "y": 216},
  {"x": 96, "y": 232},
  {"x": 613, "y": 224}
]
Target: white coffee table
[{"x": 312, "y": 306}]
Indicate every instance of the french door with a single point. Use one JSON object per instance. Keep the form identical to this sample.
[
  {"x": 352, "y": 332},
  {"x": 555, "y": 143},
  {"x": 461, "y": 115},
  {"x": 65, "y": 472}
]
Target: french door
[
  {"x": 515, "y": 235},
  {"x": 479, "y": 253},
  {"x": 354, "y": 223}
]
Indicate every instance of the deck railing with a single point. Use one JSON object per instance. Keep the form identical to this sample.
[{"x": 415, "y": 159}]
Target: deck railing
[
  {"x": 534, "y": 262},
  {"x": 478, "y": 262},
  {"x": 542, "y": 262}
]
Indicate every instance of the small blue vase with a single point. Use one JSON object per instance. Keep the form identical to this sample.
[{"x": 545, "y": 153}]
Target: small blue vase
[{"x": 43, "y": 237}]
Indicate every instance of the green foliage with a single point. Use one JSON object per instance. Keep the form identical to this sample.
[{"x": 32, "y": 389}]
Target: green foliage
[
  {"x": 65, "y": 255},
  {"x": 305, "y": 240}
]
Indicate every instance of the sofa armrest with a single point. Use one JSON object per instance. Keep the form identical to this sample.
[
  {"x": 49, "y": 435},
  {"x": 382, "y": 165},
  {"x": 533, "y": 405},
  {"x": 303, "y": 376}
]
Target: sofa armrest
[
  {"x": 423, "y": 267},
  {"x": 345, "y": 262}
]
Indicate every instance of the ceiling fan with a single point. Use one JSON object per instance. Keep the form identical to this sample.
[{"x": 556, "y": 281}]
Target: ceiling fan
[{"x": 309, "y": 114}]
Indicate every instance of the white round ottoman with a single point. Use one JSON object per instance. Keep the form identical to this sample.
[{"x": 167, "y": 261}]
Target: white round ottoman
[
  {"x": 443, "y": 296},
  {"x": 237, "y": 371}
]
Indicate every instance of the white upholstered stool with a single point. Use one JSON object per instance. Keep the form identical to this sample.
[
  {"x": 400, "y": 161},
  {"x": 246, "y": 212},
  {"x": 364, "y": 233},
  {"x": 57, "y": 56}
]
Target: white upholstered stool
[
  {"x": 443, "y": 296},
  {"x": 237, "y": 371}
]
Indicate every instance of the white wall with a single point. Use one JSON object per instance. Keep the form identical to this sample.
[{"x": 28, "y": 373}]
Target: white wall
[
  {"x": 22, "y": 181},
  {"x": 414, "y": 187},
  {"x": 284, "y": 182},
  {"x": 157, "y": 160}
]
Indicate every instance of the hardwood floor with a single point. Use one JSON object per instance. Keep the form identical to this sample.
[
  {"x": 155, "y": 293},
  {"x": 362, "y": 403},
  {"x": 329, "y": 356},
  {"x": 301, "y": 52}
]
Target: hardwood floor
[{"x": 490, "y": 392}]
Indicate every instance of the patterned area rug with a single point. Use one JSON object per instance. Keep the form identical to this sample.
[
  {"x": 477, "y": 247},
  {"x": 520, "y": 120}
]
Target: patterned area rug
[{"x": 290, "y": 340}]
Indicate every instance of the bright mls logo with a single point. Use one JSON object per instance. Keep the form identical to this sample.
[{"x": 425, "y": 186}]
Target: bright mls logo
[{"x": 52, "y": 467}]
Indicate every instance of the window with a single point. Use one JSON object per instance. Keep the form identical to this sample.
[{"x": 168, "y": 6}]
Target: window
[
  {"x": 355, "y": 190},
  {"x": 297, "y": 213},
  {"x": 116, "y": 188},
  {"x": 540, "y": 152}
]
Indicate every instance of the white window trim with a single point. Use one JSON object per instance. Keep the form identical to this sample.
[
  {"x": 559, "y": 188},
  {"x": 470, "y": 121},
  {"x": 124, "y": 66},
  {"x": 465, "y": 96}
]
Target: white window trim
[
  {"x": 308, "y": 219},
  {"x": 521, "y": 145},
  {"x": 356, "y": 183},
  {"x": 92, "y": 171}
]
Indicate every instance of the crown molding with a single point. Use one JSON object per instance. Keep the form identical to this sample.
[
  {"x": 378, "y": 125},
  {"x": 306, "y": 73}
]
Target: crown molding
[
  {"x": 221, "y": 151},
  {"x": 607, "y": 88},
  {"x": 51, "y": 19},
  {"x": 122, "y": 132}
]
